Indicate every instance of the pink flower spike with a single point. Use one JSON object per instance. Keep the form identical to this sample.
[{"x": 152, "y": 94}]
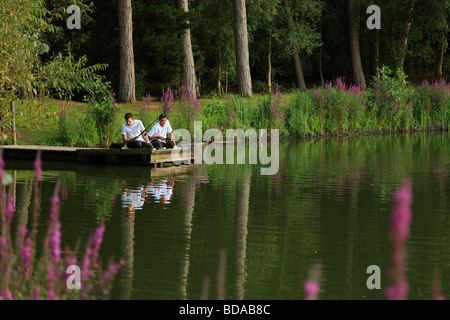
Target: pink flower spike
[
  {"x": 400, "y": 229},
  {"x": 38, "y": 169},
  {"x": 311, "y": 285},
  {"x": 312, "y": 289}
]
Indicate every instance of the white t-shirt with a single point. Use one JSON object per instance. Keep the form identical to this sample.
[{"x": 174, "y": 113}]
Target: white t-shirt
[
  {"x": 134, "y": 130},
  {"x": 157, "y": 130}
]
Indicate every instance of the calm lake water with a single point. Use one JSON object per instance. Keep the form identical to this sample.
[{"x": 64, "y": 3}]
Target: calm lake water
[{"x": 203, "y": 231}]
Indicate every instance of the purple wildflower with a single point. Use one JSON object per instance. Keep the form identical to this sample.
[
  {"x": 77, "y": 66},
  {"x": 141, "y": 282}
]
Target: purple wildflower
[
  {"x": 38, "y": 168},
  {"x": 312, "y": 289},
  {"x": 311, "y": 285},
  {"x": 400, "y": 228},
  {"x": 9, "y": 210}
]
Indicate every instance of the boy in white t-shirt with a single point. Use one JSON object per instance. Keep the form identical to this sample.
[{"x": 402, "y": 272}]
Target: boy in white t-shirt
[
  {"x": 131, "y": 133},
  {"x": 159, "y": 133}
]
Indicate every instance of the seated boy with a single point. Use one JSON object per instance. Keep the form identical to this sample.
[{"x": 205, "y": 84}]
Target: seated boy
[
  {"x": 131, "y": 133},
  {"x": 159, "y": 132}
]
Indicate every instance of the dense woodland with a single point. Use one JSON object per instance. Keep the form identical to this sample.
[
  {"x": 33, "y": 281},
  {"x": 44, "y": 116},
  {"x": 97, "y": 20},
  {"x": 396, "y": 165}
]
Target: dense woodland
[
  {"x": 318, "y": 34},
  {"x": 135, "y": 50}
]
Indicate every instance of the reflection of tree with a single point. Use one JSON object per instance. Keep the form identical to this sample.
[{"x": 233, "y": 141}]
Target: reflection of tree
[
  {"x": 352, "y": 226},
  {"x": 188, "y": 191},
  {"x": 240, "y": 244},
  {"x": 132, "y": 199},
  {"x": 22, "y": 193},
  {"x": 102, "y": 194},
  {"x": 127, "y": 252}
]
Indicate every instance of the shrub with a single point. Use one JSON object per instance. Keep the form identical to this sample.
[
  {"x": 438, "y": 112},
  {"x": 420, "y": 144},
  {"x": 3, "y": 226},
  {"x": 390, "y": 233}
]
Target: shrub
[
  {"x": 103, "y": 111},
  {"x": 393, "y": 100},
  {"x": 278, "y": 112},
  {"x": 434, "y": 99},
  {"x": 221, "y": 114},
  {"x": 81, "y": 133}
]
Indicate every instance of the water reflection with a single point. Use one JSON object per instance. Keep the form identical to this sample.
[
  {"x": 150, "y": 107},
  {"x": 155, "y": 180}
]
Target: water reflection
[
  {"x": 241, "y": 232},
  {"x": 162, "y": 190},
  {"x": 159, "y": 191},
  {"x": 225, "y": 231},
  {"x": 133, "y": 199}
]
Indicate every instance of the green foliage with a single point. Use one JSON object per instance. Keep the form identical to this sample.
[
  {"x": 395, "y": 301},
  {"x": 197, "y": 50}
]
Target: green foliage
[
  {"x": 219, "y": 114},
  {"x": 259, "y": 115},
  {"x": 158, "y": 27},
  {"x": 64, "y": 75},
  {"x": 432, "y": 104},
  {"x": 73, "y": 133},
  {"x": 22, "y": 72},
  {"x": 278, "y": 112},
  {"x": 78, "y": 38},
  {"x": 20, "y": 44},
  {"x": 302, "y": 120},
  {"x": 146, "y": 114},
  {"x": 392, "y": 100},
  {"x": 189, "y": 109},
  {"x": 104, "y": 112},
  {"x": 306, "y": 17},
  {"x": 212, "y": 31}
]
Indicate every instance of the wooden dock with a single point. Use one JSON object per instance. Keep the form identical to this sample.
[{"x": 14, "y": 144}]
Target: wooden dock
[{"x": 144, "y": 156}]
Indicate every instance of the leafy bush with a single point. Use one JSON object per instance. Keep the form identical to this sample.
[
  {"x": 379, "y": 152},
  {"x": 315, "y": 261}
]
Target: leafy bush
[
  {"x": 392, "y": 100},
  {"x": 103, "y": 112},
  {"x": 220, "y": 114},
  {"x": 434, "y": 100}
]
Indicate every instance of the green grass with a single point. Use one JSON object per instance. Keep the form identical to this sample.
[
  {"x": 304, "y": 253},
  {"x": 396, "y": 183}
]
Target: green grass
[{"x": 305, "y": 115}]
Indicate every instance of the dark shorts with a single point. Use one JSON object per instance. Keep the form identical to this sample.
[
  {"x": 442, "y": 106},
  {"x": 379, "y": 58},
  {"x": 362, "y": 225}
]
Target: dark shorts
[
  {"x": 157, "y": 144},
  {"x": 135, "y": 144}
]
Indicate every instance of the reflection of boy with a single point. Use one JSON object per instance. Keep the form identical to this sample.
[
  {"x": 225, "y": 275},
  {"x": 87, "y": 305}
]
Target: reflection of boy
[
  {"x": 162, "y": 192},
  {"x": 133, "y": 198}
]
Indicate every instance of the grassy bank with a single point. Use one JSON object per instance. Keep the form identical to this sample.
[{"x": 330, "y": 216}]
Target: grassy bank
[{"x": 329, "y": 110}]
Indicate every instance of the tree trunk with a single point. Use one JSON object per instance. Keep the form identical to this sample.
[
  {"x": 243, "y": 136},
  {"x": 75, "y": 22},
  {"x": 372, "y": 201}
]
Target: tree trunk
[
  {"x": 440, "y": 58},
  {"x": 219, "y": 56},
  {"x": 13, "y": 125},
  {"x": 377, "y": 54},
  {"x": 269, "y": 54},
  {"x": 358, "y": 73},
  {"x": 127, "y": 85},
  {"x": 320, "y": 60},
  {"x": 299, "y": 80},
  {"x": 226, "y": 83},
  {"x": 320, "y": 65},
  {"x": 188, "y": 76},
  {"x": 241, "y": 46},
  {"x": 269, "y": 66},
  {"x": 219, "y": 74},
  {"x": 404, "y": 47}
]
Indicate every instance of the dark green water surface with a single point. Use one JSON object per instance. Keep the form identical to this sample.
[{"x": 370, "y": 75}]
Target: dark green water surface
[{"x": 330, "y": 202}]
